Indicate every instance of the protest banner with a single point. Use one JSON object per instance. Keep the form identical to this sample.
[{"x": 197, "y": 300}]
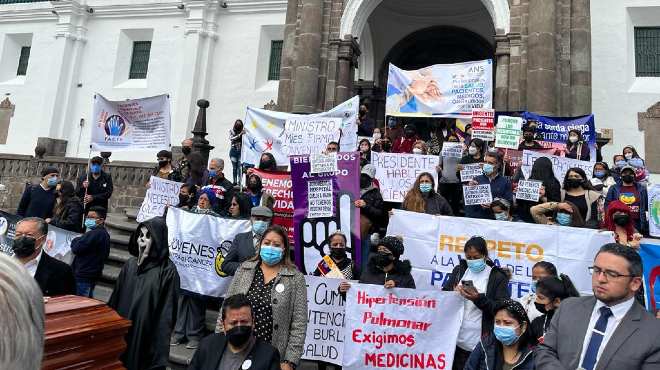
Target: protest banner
[
  {"x": 483, "y": 135},
  {"x": 654, "y": 210},
  {"x": 441, "y": 90},
  {"x": 265, "y": 131},
  {"x": 311, "y": 234},
  {"x": 278, "y": 184},
  {"x": 452, "y": 150},
  {"x": 474, "y": 195},
  {"x": 470, "y": 171},
  {"x": 397, "y": 172},
  {"x": 400, "y": 328},
  {"x": 437, "y": 244},
  {"x": 319, "y": 198},
  {"x": 310, "y": 135},
  {"x": 529, "y": 190},
  {"x": 161, "y": 193},
  {"x": 508, "y": 133},
  {"x": 198, "y": 244},
  {"x": 325, "y": 321},
  {"x": 133, "y": 124},
  {"x": 321, "y": 163},
  {"x": 8, "y": 223},
  {"x": 554, "y": 130},
  {"x": 649, "y": 250},
  {"x": 560, "y": 165}
]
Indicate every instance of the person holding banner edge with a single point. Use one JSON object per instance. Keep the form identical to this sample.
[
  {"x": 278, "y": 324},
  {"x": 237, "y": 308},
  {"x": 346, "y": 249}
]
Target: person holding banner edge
[{"x": 482, "y": 284}]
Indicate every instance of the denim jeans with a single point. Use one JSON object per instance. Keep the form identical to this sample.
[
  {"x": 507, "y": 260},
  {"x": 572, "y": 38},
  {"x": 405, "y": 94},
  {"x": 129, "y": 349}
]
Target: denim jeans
[
  {"x": 235, "y": 157},
  {"x": 85, "y": 288}
]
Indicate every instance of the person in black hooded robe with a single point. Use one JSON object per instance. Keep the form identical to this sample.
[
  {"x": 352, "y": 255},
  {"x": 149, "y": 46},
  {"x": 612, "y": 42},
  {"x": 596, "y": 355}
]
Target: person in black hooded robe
[{"x": 145, "y": 293}]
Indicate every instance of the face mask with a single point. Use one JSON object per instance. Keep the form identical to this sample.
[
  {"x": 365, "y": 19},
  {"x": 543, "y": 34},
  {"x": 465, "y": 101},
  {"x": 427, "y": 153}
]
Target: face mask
[
  {"x": 270, "y": 255},
  {"x": 636, "y": 162},
  {"x": 90, "y": 223},
  {"x": 266, "y": 165},
  {"x": 502, "y": 216},
  {"x": 540, "y": 308},
  {"x": 376, "y": 135},
  {"x": 259, "y": 226},
  {"x": 186, "y": 150},
  {"x": 505, "y": 334},
  {"x": 628, "y": 178},
  {"x": 417, "y": 151},
  {"x": 239, "y": 335},
  {"x": 364, "y": 149},
  {"x": 95, "y": 168},
  {"x": 162, "y": 164},
  {"x": 184, "y": 199},
  {"x": 620, "y": 164},
  {"x": 425, "y": 188},
  {"x": 338, "y": 253},
  {"x": 488, "y": 169},
  {"x": 529, "y": 138},
  {"x": 599, "y": 174},
  {"x": 365, "y": 181},
  {"x": 621, "y": 219},
  {"x": 254, "y": 187},
  {"x": 383, "y": 259},
  {"x": 410, "y": 134},
  {"x": 212, "y": 173},
  {"x": 573, "y": 139},
  {"x": 573, "y": 183},
  {"x": 628, "y": 156},
  {"x": 472, "y": 150},
  {"x": 24, "y": 246},
  {"x": 476, "y": 265},
  {"x": 532, "y": 287},
  {"x": 52, "y": 181},
  {"x": 564, "y": 219}
]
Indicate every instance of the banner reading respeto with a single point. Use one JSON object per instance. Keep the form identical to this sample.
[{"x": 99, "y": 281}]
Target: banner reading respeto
[
  {"x": 134, "y": 124},
  {"x": 400, "y": 328},
  {"x": 397, "y": 172},
  {"x": 278, "y": 184},
  {"x": 336, "y": 192},
  {"x": 198, "y": 244},
  {"x": 434, "y": 244},
  {"x": 443, "y": 90}
]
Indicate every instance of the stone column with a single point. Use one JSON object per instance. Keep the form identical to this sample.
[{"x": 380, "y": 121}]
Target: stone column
[
  {"x": 649, "y": 122},
  {"x": 306, "y": 84},
  {"x": 542, "y": 66},
  {"x": 516, "y": 72},
  {"x": 285, "y": 91},
  {"x": 348, "y": 53},
  {"x": 580, "y": 58},
  {"x": 502, "y": 55}
]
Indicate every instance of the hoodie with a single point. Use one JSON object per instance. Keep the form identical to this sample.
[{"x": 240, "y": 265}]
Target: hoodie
[{"x": 400, "y": 274}]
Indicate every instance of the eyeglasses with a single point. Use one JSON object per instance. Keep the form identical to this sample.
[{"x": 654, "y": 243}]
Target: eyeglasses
[{"x": 608, "y": 273}]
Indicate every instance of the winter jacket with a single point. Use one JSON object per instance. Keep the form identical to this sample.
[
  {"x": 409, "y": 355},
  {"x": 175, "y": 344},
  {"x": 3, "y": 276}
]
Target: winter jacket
[
  {"x": 71, "y": 216},
  {"x": 579, "y": 151},
  {"x": 487, "y": 355},
  {"x": 642, "y": 223},
  {"x": 497, "y": 289},
  {"x": 400, "y": 274},
  {"x": 436, "y": 204},
  {"x": 100, "y": 189},
  {"x": 90, "y": 250}
]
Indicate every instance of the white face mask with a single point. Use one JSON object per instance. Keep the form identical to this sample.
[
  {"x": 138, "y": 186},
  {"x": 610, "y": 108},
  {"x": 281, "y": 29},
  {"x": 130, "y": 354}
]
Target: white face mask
[
  {"x": 472, "y": 150},
  {"x": 144, "y": 244},
  {"x": 376, "y": 135},
  {"x": 417, "y": 151},
  {"x": 628, "y": 156},
  {"x": 573, "y": 139}
]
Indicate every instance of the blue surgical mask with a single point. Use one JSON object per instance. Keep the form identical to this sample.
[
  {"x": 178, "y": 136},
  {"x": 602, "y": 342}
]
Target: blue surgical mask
[
  {"x": 564, "y": 219},
  {"x": 425, "y": 188},
  {"x": 476, "y": 265},
  {"x": 95, "y": 168},
  {"x": 270, "y": 255},
  {"x": 488, "y": 169},
  {"x": 506, "y": 334},
  {"x": 212, "y": 173},
  {"x": 90, "y": 223},
  {"x": 52, "y": 181},
  {"x": 621, "y": 164},
  {"x": 532, "y": 287},
  {"x": 258, "y": 227},
  {"x": 599, "y": 174},
  {"x": 502, "y": 216}
]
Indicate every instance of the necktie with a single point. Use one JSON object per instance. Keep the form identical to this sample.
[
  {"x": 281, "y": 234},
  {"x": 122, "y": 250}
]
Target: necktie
[{"x": 597, "y": 334}]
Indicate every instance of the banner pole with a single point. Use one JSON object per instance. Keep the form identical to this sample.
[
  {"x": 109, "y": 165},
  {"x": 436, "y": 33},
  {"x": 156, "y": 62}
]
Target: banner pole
[{"x": 89, "y": 157}]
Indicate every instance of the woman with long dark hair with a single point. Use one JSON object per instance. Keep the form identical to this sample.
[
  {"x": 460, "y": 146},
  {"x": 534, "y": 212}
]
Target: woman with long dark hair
[
  {"x": 236, "y": 142},
  {"x": 540, "y": 270},
  {"x": 576, "y": 146},
  {"x": 550, "y": 190},
  {"x": 550, "y": 291},
  {"x": 578, "y": 190},
  {"x": 240, "y": 206},
  {"x": 557, "y": 213},
  {"x": 423, "y": 198},
  {"x": 68, "y": 210}
]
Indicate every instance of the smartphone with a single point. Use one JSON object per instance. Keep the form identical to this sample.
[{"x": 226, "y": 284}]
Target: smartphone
[{"x": 467, "y": 284}]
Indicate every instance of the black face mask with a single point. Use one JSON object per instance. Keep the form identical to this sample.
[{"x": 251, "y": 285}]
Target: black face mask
[
  {"x": 162, "y": 164},
  {"x": 186, "y": 150},
  {"x": 365, "y": 181},
  {"x": 24, "y": 246},
  {"x": 573, "y": 183},
  {"x": 529, "y": 138},
  {"x": 628, "y": 179},
  {"x": 621, "y": 219},
  {"x": 383, "y": 259},
  {"x": 184, "y": 200},
  {"x": 338, "y": 254},
  {"x": 239, "y": 335},
  {"x": 540, "y": 308},
  {"x": 266, "y": 165},
  {"x": 254, "y": 187}
]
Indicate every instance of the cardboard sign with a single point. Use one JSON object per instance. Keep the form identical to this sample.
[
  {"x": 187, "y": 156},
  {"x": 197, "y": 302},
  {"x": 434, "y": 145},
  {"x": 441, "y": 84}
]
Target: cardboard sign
[
  {"x": 483, "y": 119},
  {"x": 397, "y": 172},
  {"x": 161, "y": 193},
  {"x": 323, "y": 163},
  {"x": 319, "y": 198},
  {"x": 509, "y": 131},
  {"x": 310, "y": 135},
  {"x": 325, "y": 321},
  {"x": 470, "y": 171},
  {"x": 477, "y": 195},
  {"x": 452, "y": 150},
  {"x": 529, "y": 190}
]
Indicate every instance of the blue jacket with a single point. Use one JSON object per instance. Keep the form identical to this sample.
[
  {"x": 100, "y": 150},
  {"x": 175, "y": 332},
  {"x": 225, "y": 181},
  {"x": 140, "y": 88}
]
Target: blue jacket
[
  {"x": 615, "y": 192},
  {"x": 90, "y": 250},
  {"x": 485, "y": 356},
  {"x": 500, "y": 187}
]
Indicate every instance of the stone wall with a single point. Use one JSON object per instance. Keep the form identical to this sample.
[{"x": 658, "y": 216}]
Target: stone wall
[{"x": 129, "y": 178}]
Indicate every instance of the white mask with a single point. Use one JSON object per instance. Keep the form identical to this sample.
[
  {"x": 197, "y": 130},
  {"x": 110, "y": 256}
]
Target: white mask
[
  {"x": 376, "y": 135},
  {"x": 628, "y": 156},
  {"x": 573, "y": 139},
  {"x": 144, "y": 244},
  {"x": 472, "y": 150},
  {"x": 417, "y": 151}
]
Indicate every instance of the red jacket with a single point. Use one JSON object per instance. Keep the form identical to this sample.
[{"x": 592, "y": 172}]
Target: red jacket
[{"x": 404, "y": 145}]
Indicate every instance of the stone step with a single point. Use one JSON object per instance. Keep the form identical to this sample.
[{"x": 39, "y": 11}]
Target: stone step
[
  {"x": 119, "y": 256},
  {"x": 110, "y": 273},
  {"x": 119, "y": 239},
  {"x": 102, "y": 291},
  {"x": 120, "y": 222},
  {"x": 131, "y": 213}
]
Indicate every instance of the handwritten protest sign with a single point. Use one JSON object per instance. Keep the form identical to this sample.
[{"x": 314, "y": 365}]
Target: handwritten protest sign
[
  {"x": 560, "y": 165},
  {"x": 470, "y": 171},
  {"x": 509, "y": 130},
  {"x": 323, "y": 163},
  {"x": 319, "y": 195},
  {"x": 452, "y": 150},
  {"x": 325, "y": 321},
  {"x": 308, "y": 135},
  {"x": 398, "y": 328},
  {"x": 160, "y": 194},
  {"x": 397, "y": 172},
  {"x": 483, "y": 119},
  {"x": 529, "y": 190},
  {"x": 477, "y": 194}
]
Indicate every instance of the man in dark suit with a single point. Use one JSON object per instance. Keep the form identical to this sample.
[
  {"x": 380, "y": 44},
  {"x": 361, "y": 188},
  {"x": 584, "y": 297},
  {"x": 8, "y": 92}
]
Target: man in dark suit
[
  {"x": 54, "y": 277},
  {"x": 609, "y": 331},
  {"x": 237, "y": 347},
  {"x": 245, "y": 244}
]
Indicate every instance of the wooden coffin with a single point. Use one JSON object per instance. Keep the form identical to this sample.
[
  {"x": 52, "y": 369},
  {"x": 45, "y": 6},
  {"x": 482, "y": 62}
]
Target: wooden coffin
[{"x": 83, "y": 333}]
